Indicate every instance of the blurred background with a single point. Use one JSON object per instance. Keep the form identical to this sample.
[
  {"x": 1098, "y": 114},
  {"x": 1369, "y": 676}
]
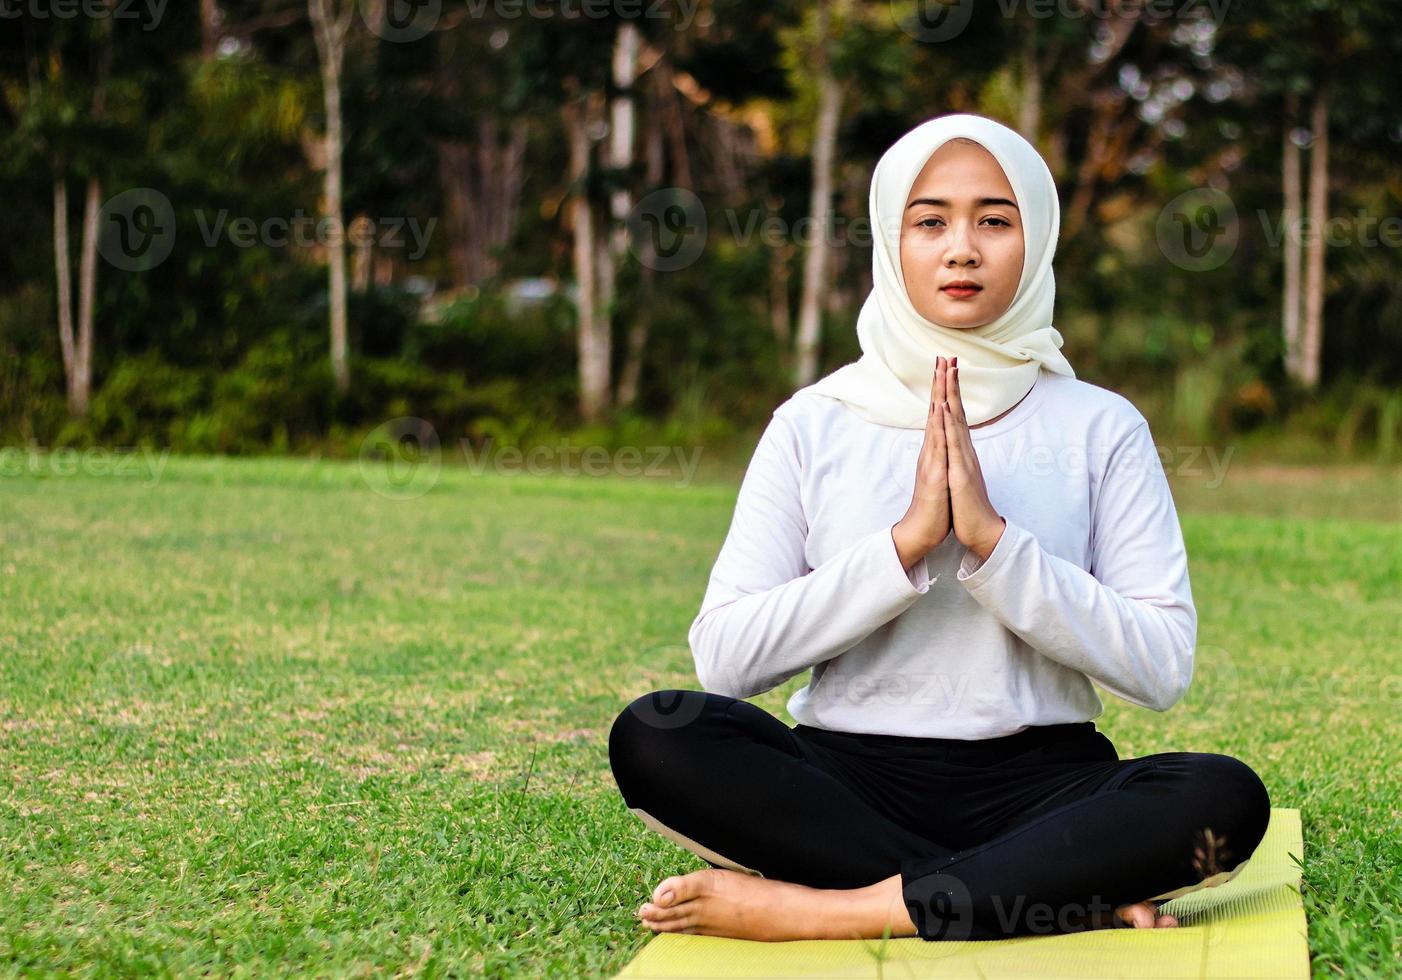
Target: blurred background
[{"x": 269, "y": 226}]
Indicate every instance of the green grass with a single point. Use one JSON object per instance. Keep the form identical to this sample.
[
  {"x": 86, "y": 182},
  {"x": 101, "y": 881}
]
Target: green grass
[{"x": 258, "y": 718}]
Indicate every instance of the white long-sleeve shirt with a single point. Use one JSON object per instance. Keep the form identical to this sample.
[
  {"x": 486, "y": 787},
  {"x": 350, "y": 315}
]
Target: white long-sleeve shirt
[{"x": 1088, "y": 583}]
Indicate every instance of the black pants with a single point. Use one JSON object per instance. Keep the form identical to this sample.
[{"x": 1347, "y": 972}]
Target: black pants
[{"x": 1035, "y": 832}]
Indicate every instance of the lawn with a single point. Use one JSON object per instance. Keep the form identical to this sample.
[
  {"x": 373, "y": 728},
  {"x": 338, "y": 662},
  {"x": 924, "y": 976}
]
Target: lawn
[{"x": 258, "y": 717}]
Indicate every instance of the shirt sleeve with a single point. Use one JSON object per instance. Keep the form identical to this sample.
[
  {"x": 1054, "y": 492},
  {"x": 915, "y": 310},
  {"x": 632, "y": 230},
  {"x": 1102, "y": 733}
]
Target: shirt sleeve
[
  {"x": 766, "y": 615},
  {"x": 1129, "y": 622}
]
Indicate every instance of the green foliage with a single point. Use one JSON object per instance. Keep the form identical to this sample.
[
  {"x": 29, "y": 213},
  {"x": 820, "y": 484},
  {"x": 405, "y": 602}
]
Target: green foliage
[{"x": 222, "y": 348}]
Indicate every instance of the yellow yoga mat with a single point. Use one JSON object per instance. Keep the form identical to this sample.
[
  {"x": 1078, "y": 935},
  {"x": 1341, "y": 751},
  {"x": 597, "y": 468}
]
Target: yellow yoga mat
[{"x": 1251, "y": 926}]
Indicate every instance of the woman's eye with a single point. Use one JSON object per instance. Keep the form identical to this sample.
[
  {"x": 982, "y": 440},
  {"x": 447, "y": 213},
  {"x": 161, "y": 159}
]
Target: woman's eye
[{"x": 927, "y": 222}]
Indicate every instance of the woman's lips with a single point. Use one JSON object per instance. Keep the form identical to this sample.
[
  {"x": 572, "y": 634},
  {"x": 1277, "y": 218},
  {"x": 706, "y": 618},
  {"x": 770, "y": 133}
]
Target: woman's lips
[{"x": 961, "y": 292}]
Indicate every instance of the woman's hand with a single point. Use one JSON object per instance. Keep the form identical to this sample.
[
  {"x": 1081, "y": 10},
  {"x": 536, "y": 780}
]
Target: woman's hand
[
  {"x": 976, "y": 524},
  {"x": 927, "y": 520}
]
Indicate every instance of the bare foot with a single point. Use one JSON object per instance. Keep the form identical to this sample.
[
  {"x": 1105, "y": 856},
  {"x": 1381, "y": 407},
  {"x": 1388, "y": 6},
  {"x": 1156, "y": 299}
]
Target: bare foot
[{"x": 719, "y": 902}]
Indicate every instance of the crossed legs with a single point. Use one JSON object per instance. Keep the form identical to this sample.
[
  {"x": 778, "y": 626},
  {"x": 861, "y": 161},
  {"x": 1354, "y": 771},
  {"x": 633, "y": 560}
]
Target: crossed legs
[{"x": 797, "y": 851}]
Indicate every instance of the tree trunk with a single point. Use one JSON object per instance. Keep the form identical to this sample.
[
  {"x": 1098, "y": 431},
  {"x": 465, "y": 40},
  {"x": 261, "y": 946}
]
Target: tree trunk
[
  {"x": 363, "y": 256},
  {"x": 1029, "y": 116},
  {"x": 820, "y": 210},
  {"x": 481, "y": 193},
  {"x": 613, "y": 247},
  {"x": 1314, "y": 256},
  {"x": 675, "y": 123},
  {"x": 330, "y": 28},
  {"x": 779, "y": 307},
  {"x": 63, "y": 277},
  {"x": 457, "y": 206},
  {"x": 631, "y": 379},
  {"x": 1290, "y": 220},
  {"x": 593, "y": 337},
  {"x": 87, "y": 298}
]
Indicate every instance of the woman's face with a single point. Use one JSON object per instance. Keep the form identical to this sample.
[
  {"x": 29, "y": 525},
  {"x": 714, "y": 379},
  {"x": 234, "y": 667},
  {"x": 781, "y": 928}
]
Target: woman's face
[{"x": 961, "y": 223}]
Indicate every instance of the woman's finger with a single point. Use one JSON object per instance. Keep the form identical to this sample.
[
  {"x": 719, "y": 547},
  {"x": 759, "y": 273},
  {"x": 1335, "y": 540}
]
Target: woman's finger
[
  {"x": 934, "y": 398},
  {"x": 956, "y": 401},
  {"x": 934, "y": 432},
  {"x": 955, "y": 396},
  {"x": 953, "y": 444},
  {"x": 966, "y": 438}
]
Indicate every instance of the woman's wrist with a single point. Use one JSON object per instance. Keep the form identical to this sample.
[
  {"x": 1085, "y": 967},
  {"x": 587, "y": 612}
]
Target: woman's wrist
[
  {"x": 910, "y": 546},
  {"x": 983, "y": 546}
]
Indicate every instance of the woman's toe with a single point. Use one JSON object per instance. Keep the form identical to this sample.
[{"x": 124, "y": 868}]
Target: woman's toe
[
  {"x": 665, "y": 893},
  {"x": 683, "y": 888},
  {"x": 657, "y": 914}
]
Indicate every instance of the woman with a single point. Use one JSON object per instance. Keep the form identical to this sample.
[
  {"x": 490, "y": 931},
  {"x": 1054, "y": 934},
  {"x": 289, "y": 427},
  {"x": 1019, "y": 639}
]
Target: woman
[{"x": 956, "y": 536}]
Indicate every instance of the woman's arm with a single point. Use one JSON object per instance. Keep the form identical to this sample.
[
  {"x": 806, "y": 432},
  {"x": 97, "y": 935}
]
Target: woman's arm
[
  {"x": 766, "y": 615},
  {"x": 1129, "y": 623}
]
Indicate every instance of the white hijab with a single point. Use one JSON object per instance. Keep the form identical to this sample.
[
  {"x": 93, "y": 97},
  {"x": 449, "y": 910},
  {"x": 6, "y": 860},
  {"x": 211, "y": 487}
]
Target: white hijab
[{"x": 998, "y": 362}]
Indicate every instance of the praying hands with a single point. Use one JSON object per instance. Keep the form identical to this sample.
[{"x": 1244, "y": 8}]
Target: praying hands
[{"x": 949, "y": 485}]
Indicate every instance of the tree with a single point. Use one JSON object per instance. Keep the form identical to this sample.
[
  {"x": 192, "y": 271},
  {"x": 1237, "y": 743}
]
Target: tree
[
  {"x": 331, "y": 23},
  {"x": 582, "y": 113},
  {"x": 63, "y": 115},
  {"x": 1302, "y": 52},
  {"x": 829, "y": 13}
]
